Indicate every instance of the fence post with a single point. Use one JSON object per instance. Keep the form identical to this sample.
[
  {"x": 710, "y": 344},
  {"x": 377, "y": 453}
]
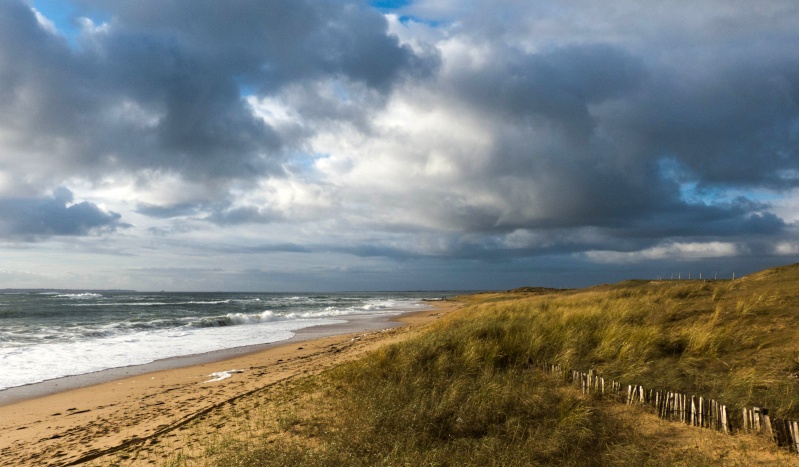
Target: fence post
[
  {"x": 701, "y": 411},
  {"x": 725, "y": 421},
  {"x": 746, "y": 421},
  {"x": 682, "y": 407},
  {"x": 716, "y": 415},
  {"x": 696, "y": 411},
  {"x": 767, "y": 427},
  {"x": 756, "y": 414},
  {"x": 673, "y": 405}
]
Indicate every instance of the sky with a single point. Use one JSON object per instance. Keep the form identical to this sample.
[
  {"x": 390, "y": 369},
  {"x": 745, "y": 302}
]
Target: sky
[{"x": 331, "y": 145}]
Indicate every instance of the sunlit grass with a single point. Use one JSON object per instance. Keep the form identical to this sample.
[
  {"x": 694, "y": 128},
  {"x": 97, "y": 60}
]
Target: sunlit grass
[{"x": 468, "y": 391}]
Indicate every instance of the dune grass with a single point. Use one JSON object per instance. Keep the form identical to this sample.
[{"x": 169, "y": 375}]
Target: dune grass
[{"x": 468, "y": 391}]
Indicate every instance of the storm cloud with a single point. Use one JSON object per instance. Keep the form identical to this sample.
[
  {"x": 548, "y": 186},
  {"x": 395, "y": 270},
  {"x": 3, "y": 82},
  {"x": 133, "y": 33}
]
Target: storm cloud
[
  {"x": 447, "y": 138},
  {"x": 159, "y": 87},
  {"x": 33, "y": 218}
]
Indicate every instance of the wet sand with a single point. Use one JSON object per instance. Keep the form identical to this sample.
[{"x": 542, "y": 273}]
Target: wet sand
[{"x": 78, "y": 419}]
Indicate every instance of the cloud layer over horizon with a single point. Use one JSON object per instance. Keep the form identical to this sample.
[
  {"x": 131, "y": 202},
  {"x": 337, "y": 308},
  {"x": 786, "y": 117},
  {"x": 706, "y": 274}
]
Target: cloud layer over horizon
[{"x": 327, "y": 145}]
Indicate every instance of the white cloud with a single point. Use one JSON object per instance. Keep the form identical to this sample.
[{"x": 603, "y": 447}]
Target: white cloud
[
  {"x": 287, "y": 199},
  {"x": 274, "y": 112},
  {"x": 786, "y": 205},
  {"x": 46, "y": 24},
  {"x": 668, "y": 251},
  {"x": 418, "y": 35},
  {"x": 88, "y": 26},
  {"x": 787, "y": 248}
]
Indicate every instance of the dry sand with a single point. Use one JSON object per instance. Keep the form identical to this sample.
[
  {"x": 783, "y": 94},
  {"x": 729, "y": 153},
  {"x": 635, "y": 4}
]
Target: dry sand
[{"x": 85, "y": 423}]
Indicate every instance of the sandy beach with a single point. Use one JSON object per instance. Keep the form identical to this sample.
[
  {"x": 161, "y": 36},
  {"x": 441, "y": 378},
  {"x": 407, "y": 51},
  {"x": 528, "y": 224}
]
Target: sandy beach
[{"x": 75, "y": 420}]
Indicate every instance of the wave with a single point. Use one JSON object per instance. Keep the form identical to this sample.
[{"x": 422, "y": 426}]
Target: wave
[
  {"x": 139, "y": 303},
  {"x": 268, "y": 316},
  {"x": 228, "y": 319},
  {"x": 233, "y": 319},
  {"x": 79, "y": 296},
  {"x": 246, "y": 300},
  {"x": 189, "y": 314},
  {"x": 379, "y": 305},
  {"x": 205, "y": 302}
]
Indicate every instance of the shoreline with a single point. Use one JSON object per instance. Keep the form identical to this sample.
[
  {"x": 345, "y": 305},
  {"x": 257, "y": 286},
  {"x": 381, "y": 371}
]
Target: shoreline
[
  {"x": 353, "y": 324},
  {"x": 77, "y": 424}
]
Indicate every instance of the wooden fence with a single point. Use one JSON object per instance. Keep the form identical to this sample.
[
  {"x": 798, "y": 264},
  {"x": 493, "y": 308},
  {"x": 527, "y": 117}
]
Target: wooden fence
[{"x": 692, "y": 410}]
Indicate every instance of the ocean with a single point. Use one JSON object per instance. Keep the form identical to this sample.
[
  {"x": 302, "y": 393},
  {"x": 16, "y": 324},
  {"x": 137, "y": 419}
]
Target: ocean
[{"x": 49, "y": 335}]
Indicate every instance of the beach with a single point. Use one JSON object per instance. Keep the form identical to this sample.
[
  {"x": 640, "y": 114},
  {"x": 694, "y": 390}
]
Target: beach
[{"x": 76, "y": 420}]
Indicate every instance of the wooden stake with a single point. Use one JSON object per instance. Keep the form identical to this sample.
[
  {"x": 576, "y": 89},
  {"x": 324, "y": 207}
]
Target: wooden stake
[
  {"x": 767, "y": 427},
  {"x": 701, "y": 411},
  {"x": 725, "y": 421}
]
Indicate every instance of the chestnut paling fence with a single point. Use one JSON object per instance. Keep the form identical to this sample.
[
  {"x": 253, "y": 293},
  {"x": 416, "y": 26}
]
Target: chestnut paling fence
[{"x": 691, "y": 410}]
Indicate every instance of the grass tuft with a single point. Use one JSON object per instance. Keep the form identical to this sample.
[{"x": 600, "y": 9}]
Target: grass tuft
[{"x": 468, "y": 392}]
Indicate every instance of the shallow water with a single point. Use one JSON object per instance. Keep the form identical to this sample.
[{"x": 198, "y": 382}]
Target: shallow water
[{"x": 50, "y": 335}]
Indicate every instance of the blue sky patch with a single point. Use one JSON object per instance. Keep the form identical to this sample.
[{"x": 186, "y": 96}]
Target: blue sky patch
[
  {"x": 64, "y": 16},
  {"x": 389, "y": 4}
]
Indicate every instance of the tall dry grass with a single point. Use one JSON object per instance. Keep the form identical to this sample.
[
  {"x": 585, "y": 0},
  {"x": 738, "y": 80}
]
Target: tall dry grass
[
  {"x": 463, "y": 394},
  {"x": 467, "y": 392}
]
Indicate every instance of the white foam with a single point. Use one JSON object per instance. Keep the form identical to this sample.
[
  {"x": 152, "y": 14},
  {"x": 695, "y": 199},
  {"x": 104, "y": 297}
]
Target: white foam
[
  {"x": 49, "y": 350},
  {"x": 80, "y": 296},
  {"x": 244, "y": 318},
  {"x": 142, "y": 303},
  {"x": 31, "y": 364}
]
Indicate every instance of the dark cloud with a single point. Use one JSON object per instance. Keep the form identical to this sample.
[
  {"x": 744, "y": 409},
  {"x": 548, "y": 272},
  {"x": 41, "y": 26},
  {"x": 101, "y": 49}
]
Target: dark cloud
[
  {"x": 41, "y": 90},
  {"x": 739, "y": 218},
  {"x": 555, "y": 87},
  {"x": 732, "y": 124},
  {"x": 266, "y": 44},
  {"x": 166, "y": 212},
  {"x": 244, "y": 215},
  {"x": 600, "y": 133},
  {"x": 581, "y": 134},
  {"x": 580, "y": 129},
  {"x": 160, "y": 87},
  {"x": 276, "y": 248},
  {"x": 33, "y": 218},
  {"x": 203, "y": 130}
]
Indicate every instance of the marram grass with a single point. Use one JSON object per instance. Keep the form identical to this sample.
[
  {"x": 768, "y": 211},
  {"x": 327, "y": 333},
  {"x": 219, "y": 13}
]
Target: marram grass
[{"x": 468, "y": 391}]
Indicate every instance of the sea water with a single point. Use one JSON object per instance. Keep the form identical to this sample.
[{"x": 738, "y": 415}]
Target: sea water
[{"x": 48, "y": 335}]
